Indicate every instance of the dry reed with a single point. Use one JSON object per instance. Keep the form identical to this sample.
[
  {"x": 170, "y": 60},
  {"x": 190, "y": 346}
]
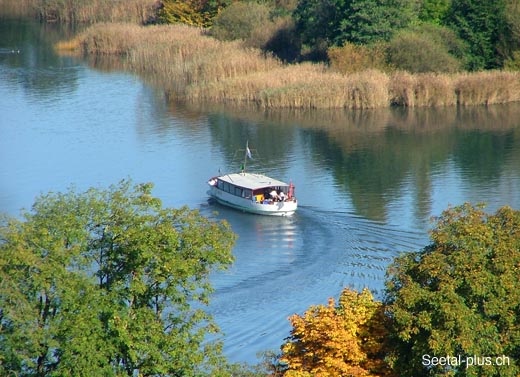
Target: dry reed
[
  {"x": 486, "y": 88},
  {"x": 192, "y": 66},
  {"x": 423, "y": 89},
  {"x": 83, "y": 11}
]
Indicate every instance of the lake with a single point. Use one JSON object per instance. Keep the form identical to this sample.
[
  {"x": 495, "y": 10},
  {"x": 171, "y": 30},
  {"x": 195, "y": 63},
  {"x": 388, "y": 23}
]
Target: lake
[{"x": 367, "y": 182}]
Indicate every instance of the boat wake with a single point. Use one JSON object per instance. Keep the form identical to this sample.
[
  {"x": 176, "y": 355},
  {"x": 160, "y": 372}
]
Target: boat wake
[{"x": 284, "y": 265}]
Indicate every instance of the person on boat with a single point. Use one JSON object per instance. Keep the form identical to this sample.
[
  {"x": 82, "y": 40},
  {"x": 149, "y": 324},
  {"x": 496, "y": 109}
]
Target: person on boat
[
  {"x": 282, "y": 196},
  {"x": 274, "y": 195}
]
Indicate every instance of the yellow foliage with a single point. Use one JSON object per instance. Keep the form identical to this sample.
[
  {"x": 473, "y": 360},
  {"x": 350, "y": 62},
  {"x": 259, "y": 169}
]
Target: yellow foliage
[
  {"x": 181, "y": 11},
  {"x": 191, "y": 12},
  {"x": 347, "y": 340}
]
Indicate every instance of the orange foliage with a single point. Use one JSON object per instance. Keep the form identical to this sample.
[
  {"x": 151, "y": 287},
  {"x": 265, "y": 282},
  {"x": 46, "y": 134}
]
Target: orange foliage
[{"x": 344, "y": 340}]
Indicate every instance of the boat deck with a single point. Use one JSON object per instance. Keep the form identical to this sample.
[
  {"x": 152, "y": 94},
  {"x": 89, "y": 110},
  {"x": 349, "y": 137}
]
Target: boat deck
[{"x": 251, "y": 181}]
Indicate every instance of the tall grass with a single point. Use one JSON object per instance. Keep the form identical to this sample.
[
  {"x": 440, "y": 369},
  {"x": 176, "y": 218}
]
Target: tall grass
[
  {"x": 486, "y": 88},
  {"x": 191, "y": 66},
  {"x": 82, "y": 11},
  {"x": 419, "y": 90}
]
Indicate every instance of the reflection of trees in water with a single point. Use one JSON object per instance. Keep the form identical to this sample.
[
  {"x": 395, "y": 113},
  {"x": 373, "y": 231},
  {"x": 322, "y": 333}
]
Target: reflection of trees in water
[
  {"x": 373, "y": 153},
  {"x": 374, "y": 169},
  {"x": 34, "y": 63},
  {"x": 269, "y": 141},
  {"x": 373, "y": 166}
]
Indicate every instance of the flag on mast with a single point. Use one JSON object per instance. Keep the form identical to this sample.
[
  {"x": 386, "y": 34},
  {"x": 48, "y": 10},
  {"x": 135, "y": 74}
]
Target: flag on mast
[{"x": 248, "y": 152}]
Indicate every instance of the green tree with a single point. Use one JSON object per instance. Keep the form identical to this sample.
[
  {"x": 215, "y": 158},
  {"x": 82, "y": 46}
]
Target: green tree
[
  {"x": 317, "y": 21},
  {"x": 369, "y": 21},
  {"x": 509, "y": 44},
  {"x": 322, "y": 24},
  {"x": 434, "y": 11},
  {"x": 240, "y": 20},
  {"x": 460, "y": 296},
  {"x": 108, "y": 282},
  {"x": 482, "y": 24}
]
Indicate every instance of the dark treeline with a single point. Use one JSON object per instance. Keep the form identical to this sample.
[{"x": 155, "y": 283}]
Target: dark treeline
[{"x": 418, "y": 36}]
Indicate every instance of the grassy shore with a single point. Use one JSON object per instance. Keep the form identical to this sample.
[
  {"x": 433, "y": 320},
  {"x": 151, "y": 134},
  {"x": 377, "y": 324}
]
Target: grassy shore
[
  {"x": 81, "y": 11},
  {"x": 194, "y": 67}
]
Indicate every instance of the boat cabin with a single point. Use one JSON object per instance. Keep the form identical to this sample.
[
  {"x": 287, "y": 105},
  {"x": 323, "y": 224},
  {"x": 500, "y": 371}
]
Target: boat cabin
[{"x": 256, "y": 187}]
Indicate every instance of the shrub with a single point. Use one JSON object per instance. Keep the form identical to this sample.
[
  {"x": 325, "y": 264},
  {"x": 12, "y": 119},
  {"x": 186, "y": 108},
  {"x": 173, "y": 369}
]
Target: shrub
[
  {"x": 513, "y": 62},
  {"x": 190, "y": 12},
  {"x": 421, "y": 52},
  {"x": 239, "y": 20},
  {"x": 354, "y": 58}
]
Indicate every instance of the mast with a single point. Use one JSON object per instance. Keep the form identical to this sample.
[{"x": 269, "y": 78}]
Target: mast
[{"x": 246, "y": 155}]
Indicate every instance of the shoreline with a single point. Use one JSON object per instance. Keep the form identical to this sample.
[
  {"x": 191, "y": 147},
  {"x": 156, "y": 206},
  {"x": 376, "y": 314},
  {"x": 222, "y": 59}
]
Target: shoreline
[{"x": 194, "y": 67}]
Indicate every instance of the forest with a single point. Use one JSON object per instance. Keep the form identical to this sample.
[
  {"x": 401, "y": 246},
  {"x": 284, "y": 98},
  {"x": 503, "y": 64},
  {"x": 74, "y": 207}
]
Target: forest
[{"x": 411, "y": 35}]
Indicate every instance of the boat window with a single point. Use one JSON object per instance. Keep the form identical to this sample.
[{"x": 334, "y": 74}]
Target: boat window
[
  {"x": 246, "y": 193},
  {"x": 220, "y": 184},
  {"x": 226, "y": 187},
  {"x": 238, "y": 191}
]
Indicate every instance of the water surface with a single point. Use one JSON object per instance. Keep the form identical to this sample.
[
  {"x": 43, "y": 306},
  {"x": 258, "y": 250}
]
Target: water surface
[{"x": 367, "y": 181}]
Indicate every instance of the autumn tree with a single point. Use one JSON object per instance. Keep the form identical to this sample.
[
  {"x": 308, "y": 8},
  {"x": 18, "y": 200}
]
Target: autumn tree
[
  {"x": 108, "y": 283},
  {"x": 459, "y": 297},
  {"x": 344, "y": 340},
  {"x": 191, "y": 12}
]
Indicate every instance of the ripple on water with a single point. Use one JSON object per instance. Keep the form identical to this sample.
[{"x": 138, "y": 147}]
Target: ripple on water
[{"x": 284, "y": 265}]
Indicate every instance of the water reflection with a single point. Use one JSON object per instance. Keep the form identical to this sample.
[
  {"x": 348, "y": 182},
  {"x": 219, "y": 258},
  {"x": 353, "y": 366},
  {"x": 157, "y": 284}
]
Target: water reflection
[
  {"x": 377, "y": 156},
  {"x": 27, "y": 48},
  {"x": 367, "y": 181}
]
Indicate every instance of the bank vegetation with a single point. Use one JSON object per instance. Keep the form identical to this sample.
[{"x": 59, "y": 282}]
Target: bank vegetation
[
  {"x": 82, "y": 11},
  {"x": 192, "y": 66}
]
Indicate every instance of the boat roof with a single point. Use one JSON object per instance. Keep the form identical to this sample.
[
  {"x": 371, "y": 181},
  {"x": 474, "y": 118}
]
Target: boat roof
[{"x": 251, "y": 181}]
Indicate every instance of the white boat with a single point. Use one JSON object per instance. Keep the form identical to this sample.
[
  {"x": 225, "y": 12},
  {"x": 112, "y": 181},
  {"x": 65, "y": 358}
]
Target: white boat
[{"x": 254, "y": 193}]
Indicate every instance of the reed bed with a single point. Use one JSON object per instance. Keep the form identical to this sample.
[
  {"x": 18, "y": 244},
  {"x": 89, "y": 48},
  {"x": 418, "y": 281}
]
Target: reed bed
[
  {"x": 253, "y": 87},
  {"x": 487, "y": 88},
  {"x": 324, "y": 90},
  {"x": 191, "y": 66},
  {"x": 297, "y": 86},
  {"x": 83, "y": 11},
  {"x": 422, "y": 90},
  {"x": 111, "y": 39}
]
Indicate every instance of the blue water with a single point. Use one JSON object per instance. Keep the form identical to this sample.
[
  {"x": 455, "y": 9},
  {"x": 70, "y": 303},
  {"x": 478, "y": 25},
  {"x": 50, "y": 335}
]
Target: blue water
[{"x": 367, "y": 182}]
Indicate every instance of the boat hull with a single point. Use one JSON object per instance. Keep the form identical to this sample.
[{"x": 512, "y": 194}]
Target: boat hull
[{"x": 271, "y": 208}]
